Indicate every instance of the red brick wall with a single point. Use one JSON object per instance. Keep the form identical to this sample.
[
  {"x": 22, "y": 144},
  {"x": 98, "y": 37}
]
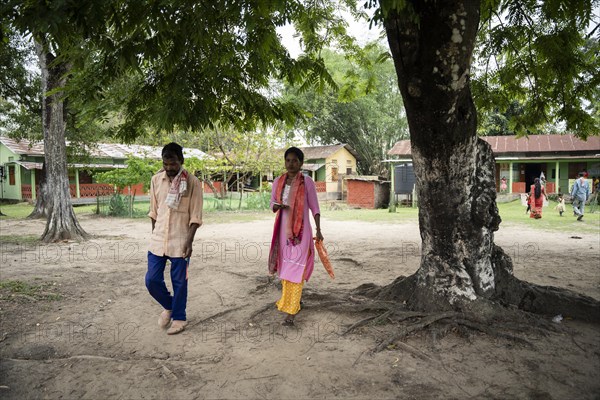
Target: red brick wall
[
  {"x": 217, "y": 184},
  {"x": 518, "y": 187},
  {"x": 137, "y": 189},
  {"x": 361, "y": 194},
  {"x": 321, "y": 187}
]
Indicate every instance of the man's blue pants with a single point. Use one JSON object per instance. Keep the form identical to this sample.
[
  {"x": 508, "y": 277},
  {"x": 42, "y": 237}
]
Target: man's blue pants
[{"x": 155, "y": 282}]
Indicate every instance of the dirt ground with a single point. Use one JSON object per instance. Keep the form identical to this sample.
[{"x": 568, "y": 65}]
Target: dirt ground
[{"x": 100, "y": 339}]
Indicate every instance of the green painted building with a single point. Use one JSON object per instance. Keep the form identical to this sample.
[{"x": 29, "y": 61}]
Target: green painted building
[
  {"x": 22, "y": 163},
  {"x": 520, "y": 160}
]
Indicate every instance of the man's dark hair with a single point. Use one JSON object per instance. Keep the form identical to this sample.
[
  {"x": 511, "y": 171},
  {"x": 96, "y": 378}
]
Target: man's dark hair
[
  {"x": 581, "y": 174},
  {"x": 173, "y": 150},
  {"x": 296, "y": 151}
]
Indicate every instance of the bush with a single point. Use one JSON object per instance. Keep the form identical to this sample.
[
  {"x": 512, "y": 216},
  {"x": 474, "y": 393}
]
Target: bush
[
  {"x": 258, "y": 201},
  {"x": 118, "y": 206}
]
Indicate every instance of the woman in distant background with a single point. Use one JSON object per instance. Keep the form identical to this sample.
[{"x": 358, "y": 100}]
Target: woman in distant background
[
  {"x": 503, "y": 185},
  {"x": 292, "y": 253},
  {"x": 538, "y": 194}
]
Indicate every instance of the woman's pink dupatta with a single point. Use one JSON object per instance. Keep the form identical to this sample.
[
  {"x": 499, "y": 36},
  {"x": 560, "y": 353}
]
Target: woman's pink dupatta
[{"x": 295, "y": 223}]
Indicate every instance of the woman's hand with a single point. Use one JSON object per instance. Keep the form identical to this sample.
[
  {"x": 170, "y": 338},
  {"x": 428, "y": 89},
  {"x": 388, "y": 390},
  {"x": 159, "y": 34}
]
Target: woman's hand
[
  {"x": 277, "y": 207},
  {"x": 319, "y": 235}
]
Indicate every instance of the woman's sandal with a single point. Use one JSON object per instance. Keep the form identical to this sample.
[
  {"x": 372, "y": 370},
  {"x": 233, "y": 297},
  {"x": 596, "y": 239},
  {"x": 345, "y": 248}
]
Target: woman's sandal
[{"x": 288, "y": 322}]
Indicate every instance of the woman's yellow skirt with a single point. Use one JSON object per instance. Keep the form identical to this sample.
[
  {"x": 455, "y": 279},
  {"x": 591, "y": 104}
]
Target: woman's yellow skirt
[{"x": 290, "y": 297}]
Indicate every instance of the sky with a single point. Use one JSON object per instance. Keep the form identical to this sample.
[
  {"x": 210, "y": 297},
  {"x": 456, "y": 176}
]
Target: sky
[{"x": 358, "y": 29}]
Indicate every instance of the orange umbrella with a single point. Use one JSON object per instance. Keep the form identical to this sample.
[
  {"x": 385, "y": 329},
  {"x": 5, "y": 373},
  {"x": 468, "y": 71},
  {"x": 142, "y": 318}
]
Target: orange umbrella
[{"x": 324, "y": 257}]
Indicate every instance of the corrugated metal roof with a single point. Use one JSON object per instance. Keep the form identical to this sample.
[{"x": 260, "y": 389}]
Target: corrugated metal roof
[
  {"x": 29, "y": 165},
  {"x": 319, "y": 152},
  {"x": 101, "y": 150},
  {"x": 311, "y": 167},
  {"x": 366, "y": 178},
  {"x": 23, "y": 146},
  {"x": 401, "y": 148},
  {"x": 503, "y": 145}
]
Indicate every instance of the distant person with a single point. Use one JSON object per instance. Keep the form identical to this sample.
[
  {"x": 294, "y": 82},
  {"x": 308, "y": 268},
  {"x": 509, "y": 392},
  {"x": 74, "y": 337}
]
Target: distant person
[
  {"x": 292, "y": 252},
  {"x": 579, "y": 194},
  {"x": 537, "y": 196},
  {"x": 560, "y": 207},
  {"x": 503, "y": 186},
  {"x": 176, "y": 214}
]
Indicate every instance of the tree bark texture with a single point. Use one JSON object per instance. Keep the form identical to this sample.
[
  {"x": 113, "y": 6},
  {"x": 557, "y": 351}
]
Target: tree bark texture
[
  {"x": 40, "y": 209},
  {"x": 61, "y": 223},
  {"x": 432, "y": 44}
]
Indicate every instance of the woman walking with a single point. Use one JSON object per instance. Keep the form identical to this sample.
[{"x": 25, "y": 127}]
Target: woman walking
[
  {"x": 538, "y": 194},
  {"x": 292, "y": 253}
]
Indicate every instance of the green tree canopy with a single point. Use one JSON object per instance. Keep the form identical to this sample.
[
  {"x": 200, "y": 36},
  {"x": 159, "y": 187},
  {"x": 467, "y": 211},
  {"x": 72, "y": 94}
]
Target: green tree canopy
[
  {"x": 138, "y": 170},
  {"x": 190, "y": 64},
  {"x": 543, "y": 55},
  {"x": 366, "y": 112}
]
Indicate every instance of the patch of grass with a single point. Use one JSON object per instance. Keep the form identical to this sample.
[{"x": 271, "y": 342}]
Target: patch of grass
[
  {"x": 15, "y": 211},
  {"x": 513, "y": 213},
  {"x": 22, "y": 210},
  {"x": 9, "y": 289},
  {"x": 19, "y": 239}
]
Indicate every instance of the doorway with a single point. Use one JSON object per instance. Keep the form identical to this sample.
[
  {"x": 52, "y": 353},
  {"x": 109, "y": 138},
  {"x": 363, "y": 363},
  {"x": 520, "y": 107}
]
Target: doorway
[{"x": 533, "y": 171}]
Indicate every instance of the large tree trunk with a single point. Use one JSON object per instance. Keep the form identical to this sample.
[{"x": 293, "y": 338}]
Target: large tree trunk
[
  {"x": 61, "y": 223},
  {"x": 432, "y": 44},
  {"x": 432, "y": 50},
  {"x": 40, "y": 210}
]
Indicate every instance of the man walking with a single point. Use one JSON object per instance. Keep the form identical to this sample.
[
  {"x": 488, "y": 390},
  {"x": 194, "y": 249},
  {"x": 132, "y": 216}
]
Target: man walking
[
  {"x": 176, "y": 214},
  {"x": 579, "y": 195}
]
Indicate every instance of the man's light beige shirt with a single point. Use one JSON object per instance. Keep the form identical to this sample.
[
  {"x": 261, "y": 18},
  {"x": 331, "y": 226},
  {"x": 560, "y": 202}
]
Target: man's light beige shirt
[{"x": 171, "y": 228}]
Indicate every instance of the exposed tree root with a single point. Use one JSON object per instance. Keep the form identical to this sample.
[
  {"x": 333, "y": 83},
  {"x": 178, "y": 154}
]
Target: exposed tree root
[
  {"x": 414, "y": 351},
  {"x": 491, "y": 331},
  {"x": 485, "y": 315},
  {"x": 414, "y": 327},
  {"x": 539, "y": 299},
  {"x": 514, "y": 307},
  {"x": 367, "y": 320},
  {"x": 509, "y": 292}
]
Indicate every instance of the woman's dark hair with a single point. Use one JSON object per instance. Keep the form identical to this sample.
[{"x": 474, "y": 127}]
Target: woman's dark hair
[
  {"x": 173, "y": 150},
  {"x": 296, "y": 151},
  {"x": 538, "y": 188}
]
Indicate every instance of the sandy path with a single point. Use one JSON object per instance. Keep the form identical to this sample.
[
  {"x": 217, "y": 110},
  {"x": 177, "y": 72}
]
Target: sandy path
[{"x": 101, "y": 339}]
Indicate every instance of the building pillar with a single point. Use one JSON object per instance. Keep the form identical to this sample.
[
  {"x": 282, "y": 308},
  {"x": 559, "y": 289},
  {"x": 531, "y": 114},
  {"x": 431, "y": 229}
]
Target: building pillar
[
  {"x": 510, "y": 176},
  {"x": 77, "y": 183},
  {"x": 33, "y": 192},
  {"x": 557, "y": 180},
  {"x": 392, "y": 206}
]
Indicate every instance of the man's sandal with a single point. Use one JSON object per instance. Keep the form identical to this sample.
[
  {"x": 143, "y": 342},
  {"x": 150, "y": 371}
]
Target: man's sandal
[
  {"x": 176, "y": 327},
  {"x": 164, "y": 319}
]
